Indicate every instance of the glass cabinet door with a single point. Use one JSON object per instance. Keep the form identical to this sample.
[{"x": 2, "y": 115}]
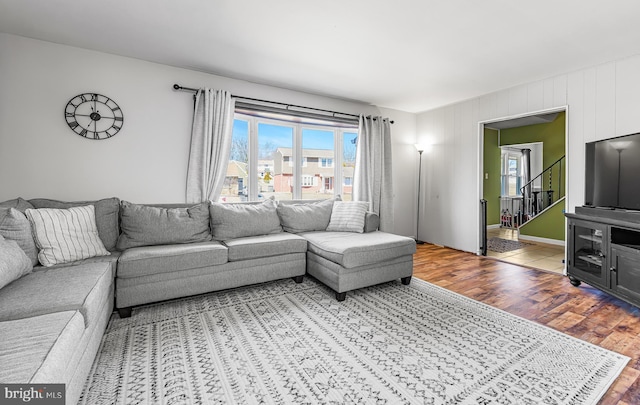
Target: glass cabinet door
[{"x": 588, "y": 260}]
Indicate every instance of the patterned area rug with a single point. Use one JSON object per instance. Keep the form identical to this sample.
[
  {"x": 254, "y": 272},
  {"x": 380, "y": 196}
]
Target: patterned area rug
[
  {"x": 504, "y": 245},
  {"x": 287, "y": 343}
]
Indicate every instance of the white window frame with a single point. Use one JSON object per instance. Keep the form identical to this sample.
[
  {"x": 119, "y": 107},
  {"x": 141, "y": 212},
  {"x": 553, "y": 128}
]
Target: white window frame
[
  {"x": 336, "y": 161},
  {"x": 326, "y": 162}
]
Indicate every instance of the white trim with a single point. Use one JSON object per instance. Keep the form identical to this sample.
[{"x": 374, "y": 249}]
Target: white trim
[
  {"x": 480, "y": 168},
  {"x": 494, "y": 226},
  {"x": 541, "y": 240}
]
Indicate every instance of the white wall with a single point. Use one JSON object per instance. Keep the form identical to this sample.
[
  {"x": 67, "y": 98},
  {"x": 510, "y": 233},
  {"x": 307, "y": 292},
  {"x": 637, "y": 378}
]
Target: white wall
[
  {"x": 147, "y": 160},
  {"x": 602, "y": 101}
]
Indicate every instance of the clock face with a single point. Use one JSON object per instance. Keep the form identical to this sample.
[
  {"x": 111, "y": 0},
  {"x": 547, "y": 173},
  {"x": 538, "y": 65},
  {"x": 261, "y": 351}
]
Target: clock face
[{"x": 93, "y": 116}]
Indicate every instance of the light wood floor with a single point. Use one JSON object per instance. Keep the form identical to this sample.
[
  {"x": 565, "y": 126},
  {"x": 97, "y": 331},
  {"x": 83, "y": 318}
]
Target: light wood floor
[
  {"x": 535, "y": 254},
  {"x": 546, "y": 298}
]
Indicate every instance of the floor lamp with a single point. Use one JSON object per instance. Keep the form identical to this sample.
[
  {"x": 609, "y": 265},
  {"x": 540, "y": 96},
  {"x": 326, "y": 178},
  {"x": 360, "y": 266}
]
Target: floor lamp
[{"x": 420, "y": 149}]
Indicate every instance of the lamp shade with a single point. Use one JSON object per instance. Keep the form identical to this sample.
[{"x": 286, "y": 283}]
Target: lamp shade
[{"x": 420, "y": 147}]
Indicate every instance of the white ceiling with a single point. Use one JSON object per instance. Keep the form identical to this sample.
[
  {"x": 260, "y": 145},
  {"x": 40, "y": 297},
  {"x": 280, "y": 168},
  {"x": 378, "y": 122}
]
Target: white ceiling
[{"x": 411, "y": 55}]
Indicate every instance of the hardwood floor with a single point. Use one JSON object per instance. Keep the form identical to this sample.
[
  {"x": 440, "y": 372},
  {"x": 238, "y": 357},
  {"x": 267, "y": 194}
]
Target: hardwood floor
[{"x": 546, "y": 298}]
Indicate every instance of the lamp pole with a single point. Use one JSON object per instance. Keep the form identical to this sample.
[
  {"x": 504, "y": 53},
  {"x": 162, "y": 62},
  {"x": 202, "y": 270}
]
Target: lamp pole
[{"x": 418, "y": 241}]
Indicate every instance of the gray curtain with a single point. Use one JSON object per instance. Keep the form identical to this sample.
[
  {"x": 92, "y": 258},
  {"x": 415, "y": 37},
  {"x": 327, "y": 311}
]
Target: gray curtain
[
  {"x": 372, "y": 179},
  {"x": 210, "y": 144}
]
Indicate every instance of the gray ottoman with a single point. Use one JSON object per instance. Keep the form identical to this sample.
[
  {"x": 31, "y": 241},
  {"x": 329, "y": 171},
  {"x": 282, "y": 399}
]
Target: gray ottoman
[{"x": 346, "y": 261}]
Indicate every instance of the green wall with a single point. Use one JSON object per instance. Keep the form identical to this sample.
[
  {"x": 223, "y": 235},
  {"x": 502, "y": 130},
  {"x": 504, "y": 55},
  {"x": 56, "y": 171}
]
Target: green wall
[
  {"x": 491, "y": 176},
  {"x": 551, "y": 134},
  {"x": 549, "y": 224}
]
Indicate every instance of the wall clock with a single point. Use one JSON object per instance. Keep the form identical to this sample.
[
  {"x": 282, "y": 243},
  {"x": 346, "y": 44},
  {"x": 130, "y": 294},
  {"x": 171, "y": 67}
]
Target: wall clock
[{"x": 93, "y": 116}]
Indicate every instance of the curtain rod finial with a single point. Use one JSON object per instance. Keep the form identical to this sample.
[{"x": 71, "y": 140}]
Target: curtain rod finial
[{"x": 176, "y": 87}]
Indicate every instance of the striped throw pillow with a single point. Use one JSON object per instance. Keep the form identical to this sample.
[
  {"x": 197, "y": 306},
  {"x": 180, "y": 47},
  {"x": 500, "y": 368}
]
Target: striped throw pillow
[
  {"x": 65, "y": 235},
  {"x": 348, "y": 216}
]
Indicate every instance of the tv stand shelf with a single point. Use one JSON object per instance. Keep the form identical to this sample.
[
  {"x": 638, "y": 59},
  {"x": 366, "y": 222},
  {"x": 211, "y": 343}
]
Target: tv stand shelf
[{"x": 604, "y": 251}]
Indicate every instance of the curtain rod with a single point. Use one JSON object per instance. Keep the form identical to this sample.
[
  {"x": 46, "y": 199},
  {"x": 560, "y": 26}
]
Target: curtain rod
[{"x": 333, "y": 113}]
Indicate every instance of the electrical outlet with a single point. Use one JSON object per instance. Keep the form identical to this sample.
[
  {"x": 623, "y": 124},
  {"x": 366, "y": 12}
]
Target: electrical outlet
[{"x": 486, "y": 176}]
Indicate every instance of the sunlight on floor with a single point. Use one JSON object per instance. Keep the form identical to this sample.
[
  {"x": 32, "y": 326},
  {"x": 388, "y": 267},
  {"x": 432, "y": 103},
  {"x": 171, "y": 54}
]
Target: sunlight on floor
[{"x": 538, "y": 255}]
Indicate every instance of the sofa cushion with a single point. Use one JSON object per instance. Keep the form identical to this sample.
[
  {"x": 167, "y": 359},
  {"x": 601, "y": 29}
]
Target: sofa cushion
[
  {"x": 238, "y": 220},
  {"x": 65, "y": 235},
  {"x": 39, "y": 349},
  {"x": 142, "y": 261},
  {"x": 348, "y": 216},
  {"x": 145, "y": 225},
  {"x": 14, "y": 263},
  {"x": 353, "y": 250},
  {"x": 305, "y": 216},
  {"x": 253, "y": 247},
  {"x": 78, "y": 288},
  {"x": 106, "y": 212},
  {"x": 111, "y": 260},
  {"x": 14, "y": 225}
]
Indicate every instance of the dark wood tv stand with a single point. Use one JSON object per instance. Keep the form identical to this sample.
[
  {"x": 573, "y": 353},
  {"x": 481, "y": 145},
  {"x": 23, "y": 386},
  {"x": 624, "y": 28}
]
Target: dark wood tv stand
[{"x": 604, "y": 251}]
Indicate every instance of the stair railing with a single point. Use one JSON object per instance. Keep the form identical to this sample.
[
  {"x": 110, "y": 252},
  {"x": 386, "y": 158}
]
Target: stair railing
[{"x": 536, "y": 201}]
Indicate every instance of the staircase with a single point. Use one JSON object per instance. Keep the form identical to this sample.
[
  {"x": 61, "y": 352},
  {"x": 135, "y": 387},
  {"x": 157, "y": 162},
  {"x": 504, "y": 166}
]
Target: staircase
[{"x": 543, "y": 191}]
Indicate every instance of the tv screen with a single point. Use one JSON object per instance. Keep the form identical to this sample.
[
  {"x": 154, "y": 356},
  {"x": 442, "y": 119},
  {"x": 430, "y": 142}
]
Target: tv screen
[{"x": 613, "y": 173}]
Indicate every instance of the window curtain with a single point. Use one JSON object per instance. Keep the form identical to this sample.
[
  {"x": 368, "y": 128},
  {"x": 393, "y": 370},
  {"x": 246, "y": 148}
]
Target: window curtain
[
  {"x": 210, "y": 144},
  {"x": 372, "y": 178}
]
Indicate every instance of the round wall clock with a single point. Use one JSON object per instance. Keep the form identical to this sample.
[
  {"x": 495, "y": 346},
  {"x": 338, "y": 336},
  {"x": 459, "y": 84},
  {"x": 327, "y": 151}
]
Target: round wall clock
[{"x": 93, "y": 116}]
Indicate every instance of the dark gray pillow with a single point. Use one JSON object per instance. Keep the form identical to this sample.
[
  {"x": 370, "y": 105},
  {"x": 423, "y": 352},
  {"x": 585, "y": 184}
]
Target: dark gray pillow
[
  {"x": 15, "y": 226},
  {"x": 106, "y": 211},
  {"x": 238, "y": 220},
  {"x": 18, "y": 203},
  {"x": 144, "y": 225},
  {"x": 306, "y": 216}
]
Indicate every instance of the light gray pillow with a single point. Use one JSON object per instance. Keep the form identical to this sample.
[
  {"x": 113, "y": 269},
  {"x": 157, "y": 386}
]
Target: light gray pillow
[
  {"x": 65, "y": 235},
  {"x": 305, "y": 217},
  {"x": 14, "y": 225},
  {"x": 348, "y": 216},
  {"x": 14, "y": 263},
  {"x": 144, "y": 225},
  {"x": 106, "y": 212},
  {"x": 238, "y": 220}
]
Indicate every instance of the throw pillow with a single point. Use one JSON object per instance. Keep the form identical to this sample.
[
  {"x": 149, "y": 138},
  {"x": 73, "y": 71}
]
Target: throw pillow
[
  {"x": 305, "y": 217},
  {"x": 106, "y": 211},
  {"x": 14, "y": 263},
  {"x": 145, "y": 225},
  {"x": 238, "y": 220},
  {"x": 65, "y": 235},
  {"x": 15, "y": 226},
  {"x": 348, "y": 216}
]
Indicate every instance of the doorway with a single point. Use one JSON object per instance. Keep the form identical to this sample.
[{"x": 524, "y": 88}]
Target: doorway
[{"x": 523, "y": 184}]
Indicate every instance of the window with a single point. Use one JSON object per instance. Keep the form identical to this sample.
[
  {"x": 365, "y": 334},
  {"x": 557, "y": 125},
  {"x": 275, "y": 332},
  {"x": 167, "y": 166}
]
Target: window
[
  {"x": 324, "y": 162},
  {"x": 511, "y": 173},
  {"x": 307, "y": 181},
  {"x": 349, "y": 141},
  {"x": 235, "y": 183},
  {"x": 265, "y": 149}
]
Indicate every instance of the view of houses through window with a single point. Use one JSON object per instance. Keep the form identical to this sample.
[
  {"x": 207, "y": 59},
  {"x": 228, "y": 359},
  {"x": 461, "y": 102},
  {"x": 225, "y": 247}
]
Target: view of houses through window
[{"x": 289, "y": 159}]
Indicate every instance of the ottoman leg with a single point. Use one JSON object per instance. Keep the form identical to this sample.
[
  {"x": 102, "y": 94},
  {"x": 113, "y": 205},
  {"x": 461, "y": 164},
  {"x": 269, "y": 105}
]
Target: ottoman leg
[
  {"x": 341, "y": 296},
  {"x": 298, "y": 279},
  {"x": 406, "y": 280}
]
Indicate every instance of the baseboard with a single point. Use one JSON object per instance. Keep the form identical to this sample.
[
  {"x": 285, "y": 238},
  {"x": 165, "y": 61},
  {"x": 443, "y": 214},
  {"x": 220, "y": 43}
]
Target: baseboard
[
  {"x": 541, "y": 240},
  {"x": 494, "y": 226}
]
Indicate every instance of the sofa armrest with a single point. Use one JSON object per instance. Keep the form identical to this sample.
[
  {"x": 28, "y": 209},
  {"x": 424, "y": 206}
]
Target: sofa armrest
[{"x": 371, "y": 221}]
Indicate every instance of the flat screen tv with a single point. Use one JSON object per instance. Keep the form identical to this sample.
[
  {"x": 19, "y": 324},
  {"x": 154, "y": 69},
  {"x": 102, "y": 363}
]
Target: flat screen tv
[{"x": 613, "y": 173}]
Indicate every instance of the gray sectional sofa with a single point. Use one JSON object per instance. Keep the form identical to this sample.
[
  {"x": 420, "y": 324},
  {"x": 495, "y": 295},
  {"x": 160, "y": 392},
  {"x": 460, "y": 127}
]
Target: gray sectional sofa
[{"x": 52, "y": 318}]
